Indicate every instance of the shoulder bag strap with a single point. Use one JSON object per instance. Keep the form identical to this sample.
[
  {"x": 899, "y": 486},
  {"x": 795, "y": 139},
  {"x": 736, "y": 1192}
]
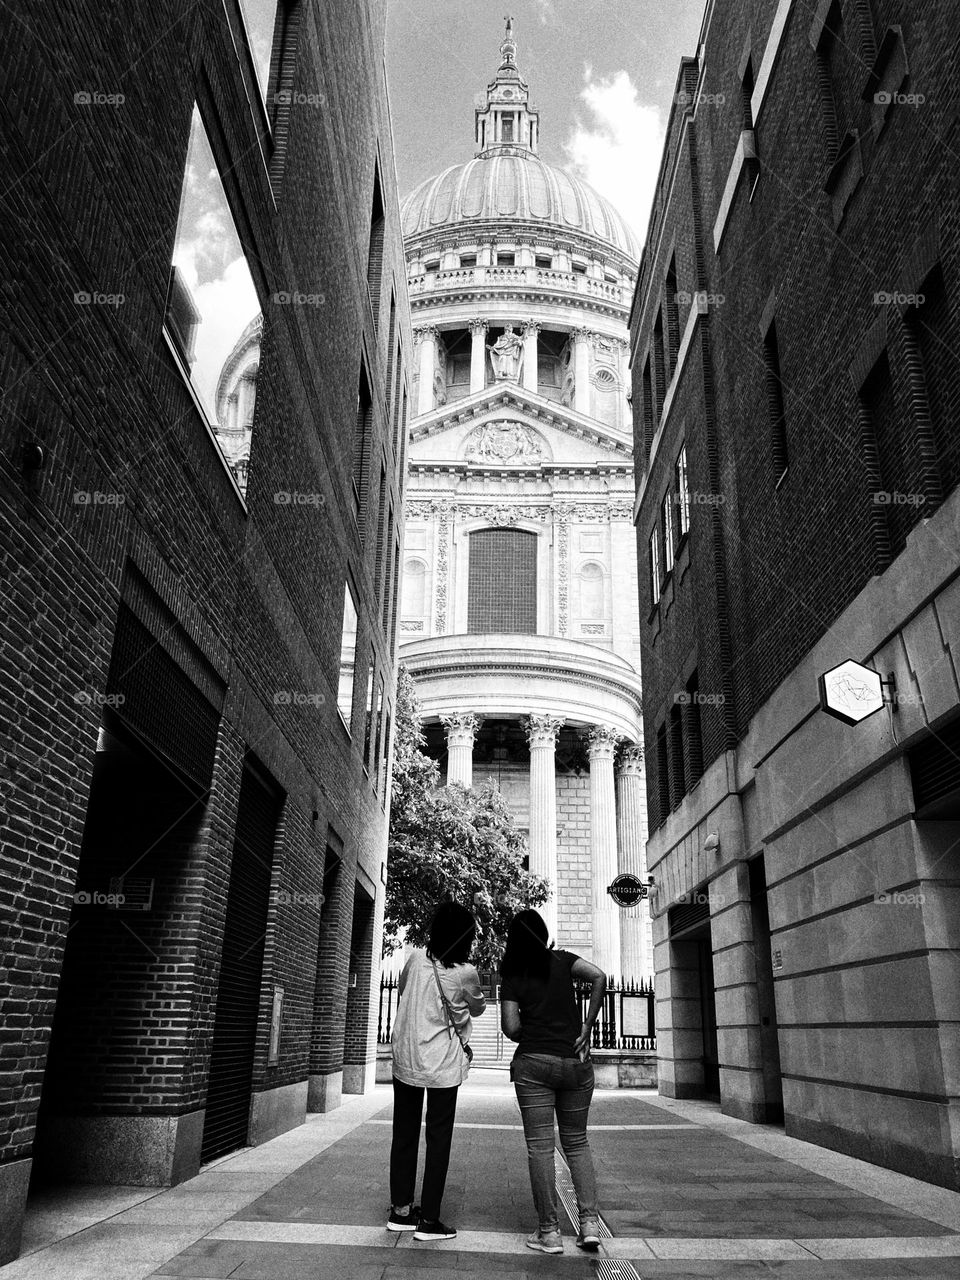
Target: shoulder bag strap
[{"x": 448, "y": 1012}]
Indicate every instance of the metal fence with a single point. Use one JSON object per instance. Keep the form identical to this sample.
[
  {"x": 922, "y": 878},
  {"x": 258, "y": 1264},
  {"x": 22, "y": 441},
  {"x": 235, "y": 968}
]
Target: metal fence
[{"x": 626, "y": 1020}]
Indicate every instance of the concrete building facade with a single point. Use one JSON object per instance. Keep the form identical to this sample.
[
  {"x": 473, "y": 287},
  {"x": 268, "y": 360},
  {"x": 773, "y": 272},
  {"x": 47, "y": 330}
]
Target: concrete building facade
[
  {"x": 796, "y": 382},
  {"x": 518, "y": 608},
  {"x": 199, "y": 594}
]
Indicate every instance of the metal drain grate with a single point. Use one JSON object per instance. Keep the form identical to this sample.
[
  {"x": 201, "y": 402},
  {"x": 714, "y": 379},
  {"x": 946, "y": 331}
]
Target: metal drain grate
[{"x": 607, "y": 1268}]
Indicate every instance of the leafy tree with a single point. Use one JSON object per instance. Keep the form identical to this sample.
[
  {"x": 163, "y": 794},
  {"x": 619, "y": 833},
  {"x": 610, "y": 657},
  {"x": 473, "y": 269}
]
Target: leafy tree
[{"x": 449, "y": 842}]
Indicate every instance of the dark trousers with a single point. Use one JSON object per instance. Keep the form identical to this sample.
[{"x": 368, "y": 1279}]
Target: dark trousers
[{"x": 407, "y": 1110}]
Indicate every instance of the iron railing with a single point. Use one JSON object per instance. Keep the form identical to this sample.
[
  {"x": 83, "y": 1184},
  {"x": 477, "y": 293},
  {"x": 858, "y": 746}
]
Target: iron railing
[{"x": 626, "y": 1020}]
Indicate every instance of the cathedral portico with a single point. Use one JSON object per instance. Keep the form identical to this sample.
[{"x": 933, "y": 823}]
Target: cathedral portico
[{"x": 518, "y": 620}]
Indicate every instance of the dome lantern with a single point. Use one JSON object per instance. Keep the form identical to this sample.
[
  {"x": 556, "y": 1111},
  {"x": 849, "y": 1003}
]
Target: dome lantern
[{"x": 505, "y": 124}]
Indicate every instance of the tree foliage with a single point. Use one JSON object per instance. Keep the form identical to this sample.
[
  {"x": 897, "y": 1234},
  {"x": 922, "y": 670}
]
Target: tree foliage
[{"x": 449, "y": 842}]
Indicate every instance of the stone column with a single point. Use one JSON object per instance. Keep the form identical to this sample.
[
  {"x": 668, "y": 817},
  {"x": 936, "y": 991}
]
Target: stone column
[
  {"x": 530, "y": 366},
  {"x": 582, "y": 341},
  {"x": 427, "y": 339},
  {"x": 461, "y": 727},
  {"x": 478, "y": 355},
  {"x": 603, "y": 838},
  {"x": 542, "y": 734},
  {"x": 632, "y": 859}
]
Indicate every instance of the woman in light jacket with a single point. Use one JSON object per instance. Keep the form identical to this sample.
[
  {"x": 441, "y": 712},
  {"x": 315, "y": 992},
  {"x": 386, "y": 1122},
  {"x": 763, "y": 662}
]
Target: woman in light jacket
[{"x": 439, "y": 991}]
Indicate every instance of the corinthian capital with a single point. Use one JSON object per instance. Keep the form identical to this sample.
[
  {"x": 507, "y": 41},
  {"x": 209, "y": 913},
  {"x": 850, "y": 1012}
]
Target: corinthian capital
[
  {"x": 477, "y": 325},
  {"x": 542, "y": 731},
  {"x": 602, "y": 742},
  {"x": 630, "y": 761},
  {"x": 462, "y": 727},
  {"x": 531, "y": 326},
  {"x": 422, "y": 331}
]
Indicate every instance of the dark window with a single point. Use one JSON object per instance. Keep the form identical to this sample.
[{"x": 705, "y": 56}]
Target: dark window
[
  {"x": 682, "y": 490},
  {"x": 389, "y": 586},
  {"x": 649, "y": 425},
  {"x": 659, "y": 367},
  {"x": 678, "y": 784},
  {"x": 375, "y": 252},
  {"x": 663, "y": 774},
  {"x": 362, "y": 436},
  {"x": 381, "y": 521},
  {"x": 746, "y": 96},
  {"x": 468, "y": 259},
  {"x": 838, "y": 69},
  {"x": 580, "y": 268},
  {"x": 506, "y": 259},
  {"x": 368, "y": 721},
  {"x": 673, "y": 315},
  {"x": 941, "y": 369},
  {"x": 693, "y": 730},
  {"x": 506, "y": 128},
  {"x": 775, "y": 408},
  {"x": 544, "y": 261},
  {"x": 502, "y": 594},
  {"x": 895, "y": 464},
  {"x": 391, "y": 339}
]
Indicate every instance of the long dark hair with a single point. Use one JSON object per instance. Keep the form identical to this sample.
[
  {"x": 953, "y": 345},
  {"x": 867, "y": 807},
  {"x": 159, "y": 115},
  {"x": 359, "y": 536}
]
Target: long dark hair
[
  {"x": 452, "y": 931},
  {"x": 527, "y": 954}
]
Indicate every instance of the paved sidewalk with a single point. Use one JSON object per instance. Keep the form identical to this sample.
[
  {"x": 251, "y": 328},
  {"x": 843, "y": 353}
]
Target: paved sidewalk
[{"x": 684, "y": 1191}]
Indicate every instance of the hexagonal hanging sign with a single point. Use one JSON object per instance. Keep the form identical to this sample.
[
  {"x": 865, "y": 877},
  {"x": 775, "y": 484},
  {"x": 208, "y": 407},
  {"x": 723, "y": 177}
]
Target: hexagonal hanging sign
[{"x": 851, "y": 692}]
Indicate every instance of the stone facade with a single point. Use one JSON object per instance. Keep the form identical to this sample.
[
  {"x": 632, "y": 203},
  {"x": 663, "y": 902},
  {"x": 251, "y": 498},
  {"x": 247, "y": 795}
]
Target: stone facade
[
  {"x": 795, "y": 392},
  {"x": 520, "y": 279},
  {"x": 171, "y": 645}
]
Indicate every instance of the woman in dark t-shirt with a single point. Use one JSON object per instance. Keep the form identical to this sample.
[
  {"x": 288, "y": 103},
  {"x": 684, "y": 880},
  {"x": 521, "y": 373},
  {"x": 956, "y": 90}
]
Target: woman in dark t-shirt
[{"x": 551, "y": 1070}]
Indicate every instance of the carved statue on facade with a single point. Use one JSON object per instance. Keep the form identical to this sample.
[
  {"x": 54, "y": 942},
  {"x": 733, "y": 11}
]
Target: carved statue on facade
[
  {"x": 504, "y": 442},
  {"x": 506, "y": 354}
]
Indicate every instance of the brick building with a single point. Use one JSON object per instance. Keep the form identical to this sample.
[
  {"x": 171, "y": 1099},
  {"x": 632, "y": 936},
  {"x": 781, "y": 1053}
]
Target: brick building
[
  {"x": 796, "y": 382},
  {"x": 198, "y": 593}
]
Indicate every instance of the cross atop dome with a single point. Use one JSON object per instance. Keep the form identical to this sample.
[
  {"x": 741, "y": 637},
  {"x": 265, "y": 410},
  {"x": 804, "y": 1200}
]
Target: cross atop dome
[{"x": 505, "y": 124}]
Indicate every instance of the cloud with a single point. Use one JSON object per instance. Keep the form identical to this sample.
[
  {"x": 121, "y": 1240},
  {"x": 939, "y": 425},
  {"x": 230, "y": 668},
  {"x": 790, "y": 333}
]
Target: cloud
[{"x": 618, "y": 149}]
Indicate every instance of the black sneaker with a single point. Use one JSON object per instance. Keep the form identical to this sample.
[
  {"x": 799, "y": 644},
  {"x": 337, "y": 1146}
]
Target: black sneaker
[
  {"x": 433, "y": 1231},
  {"x": 403, "y": 1221}
]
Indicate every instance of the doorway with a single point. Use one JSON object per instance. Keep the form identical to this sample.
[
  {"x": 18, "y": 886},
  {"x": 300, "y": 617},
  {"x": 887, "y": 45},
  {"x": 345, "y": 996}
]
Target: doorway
[{"x": 230, "y": 1079}]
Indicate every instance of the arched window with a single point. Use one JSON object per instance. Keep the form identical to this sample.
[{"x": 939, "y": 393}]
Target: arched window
[
  {"x": 414, "y": 589},
  {"x": 591, "y": 591},
  {"x": 502, "y": 591}
]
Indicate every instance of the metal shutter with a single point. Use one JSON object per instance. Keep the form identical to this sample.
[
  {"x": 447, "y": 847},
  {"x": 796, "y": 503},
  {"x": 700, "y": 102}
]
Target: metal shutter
[
  {"x": 502, "y": 594},
  {"x": 230, "y": 1078}
]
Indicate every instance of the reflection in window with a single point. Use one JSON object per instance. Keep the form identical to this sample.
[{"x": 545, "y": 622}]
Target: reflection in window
[
  {"x": 212, "y": 305},
  {"x": 348, "y": 656}
]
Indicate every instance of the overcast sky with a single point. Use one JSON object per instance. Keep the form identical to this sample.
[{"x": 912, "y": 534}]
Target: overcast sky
[{"x": 601, "y": 72}]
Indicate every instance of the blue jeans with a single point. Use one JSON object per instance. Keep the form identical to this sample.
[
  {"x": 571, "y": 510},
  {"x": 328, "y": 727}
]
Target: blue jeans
[{"x": 546, "y": 1084}]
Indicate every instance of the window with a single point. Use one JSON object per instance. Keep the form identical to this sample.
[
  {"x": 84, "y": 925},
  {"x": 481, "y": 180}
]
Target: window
[
  {"x": 746, "y": 96},
  {"x": 678, "y": 785},
  {"x": 362, "y": 437},
  {"x": 775, "y": 407},
  {"x": 376, "y": 751},
  {"x": 929, "y": 325},
  {"x": 673, "y": 315},
  {"x": 502, "y": 587},
  {"x": 591, "y": 592},
  {"x": 506, "y": 259},
  {"x": 694, "y": 730},
  {"x": 896, "y": 460},
  {"x": 260, "y": 21},
  {"x": 666, "y": 531},
  {"x": 544, "y": 261},
  {"x": 381, "y": 527},
  {"x": 649, "y": 426},
  {"x": 348, "y": 656},
  {"x": 580, "y": 268},
  {"x": 659, "y": 366},
  {"x": 385, "y": 758},
  {"x": 506, "y": 128},
  {"x": 663, "y": 774},
  {"x": 211, "y": 299},
  {"x": 655, "y": 567},
  {"x": 468, "y": 260},
  {"x": 388, "y": 585},
  {"x": 682, "y": 490},
  {"x": 375, "y": 250},
  {"x": 368, "y": 720},
  {"x": 414, "y": 601}
]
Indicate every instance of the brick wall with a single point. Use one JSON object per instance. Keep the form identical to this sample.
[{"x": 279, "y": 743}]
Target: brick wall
[{"x": 256, "y": 590}]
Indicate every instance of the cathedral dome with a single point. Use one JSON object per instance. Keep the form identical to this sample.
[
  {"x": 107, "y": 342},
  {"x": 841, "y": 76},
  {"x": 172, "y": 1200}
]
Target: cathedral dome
[{"x": 515, "y": 186}]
